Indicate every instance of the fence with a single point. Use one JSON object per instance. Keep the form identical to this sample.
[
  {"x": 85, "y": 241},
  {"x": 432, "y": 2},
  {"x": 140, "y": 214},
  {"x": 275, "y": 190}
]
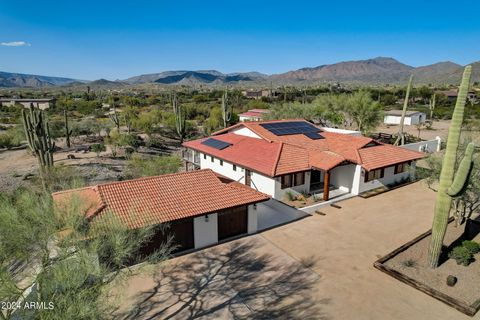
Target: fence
[{"x": 428, "y": 146}]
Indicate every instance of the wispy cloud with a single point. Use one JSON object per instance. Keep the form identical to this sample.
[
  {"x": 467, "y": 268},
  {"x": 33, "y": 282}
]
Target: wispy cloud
[{"x": 16, "y": 44}]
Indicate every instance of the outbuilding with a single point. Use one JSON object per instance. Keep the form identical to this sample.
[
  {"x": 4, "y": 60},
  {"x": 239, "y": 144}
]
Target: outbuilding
[
  {"x": 411, "y": 117},
  {"x": 199, "y": 207}
]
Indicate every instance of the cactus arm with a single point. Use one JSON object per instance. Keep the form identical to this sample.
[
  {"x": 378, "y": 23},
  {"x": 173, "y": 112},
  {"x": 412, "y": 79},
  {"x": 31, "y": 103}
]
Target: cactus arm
[
  {"x": 444, "y": 201},
  {"x": 463, "y": 172}
]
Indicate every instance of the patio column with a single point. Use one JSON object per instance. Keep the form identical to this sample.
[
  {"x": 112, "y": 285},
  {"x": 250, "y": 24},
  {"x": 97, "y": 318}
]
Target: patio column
[{"x": 326, "y": 185}]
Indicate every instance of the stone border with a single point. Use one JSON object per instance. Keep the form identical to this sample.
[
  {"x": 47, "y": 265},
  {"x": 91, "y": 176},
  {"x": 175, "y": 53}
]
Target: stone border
[{"x": 461, "y": 306}]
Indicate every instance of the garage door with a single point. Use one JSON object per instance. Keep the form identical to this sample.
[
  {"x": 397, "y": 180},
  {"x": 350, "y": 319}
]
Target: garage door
[
  {"x": 232, "y": 222},
  {"x": 182, "y": 232}
]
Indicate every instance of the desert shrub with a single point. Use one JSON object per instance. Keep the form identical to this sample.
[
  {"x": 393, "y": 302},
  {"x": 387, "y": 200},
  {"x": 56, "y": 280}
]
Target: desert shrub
[
  {"x": 98, "y": 147},
  {"x": 462, "y": 255},
  {"x": 139, "y": 166},
  {"x": 409, "y": 263},
  {"x": 13, "y": 137},
  {"x": 451, "y": 280},
  {"x": 290, "y": 196},
  {"x": 472, "y": 246}
]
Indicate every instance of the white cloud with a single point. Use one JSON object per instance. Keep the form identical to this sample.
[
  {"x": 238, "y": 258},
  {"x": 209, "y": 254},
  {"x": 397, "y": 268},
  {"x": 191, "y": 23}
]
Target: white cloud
[{"x": 16, "y": 44}]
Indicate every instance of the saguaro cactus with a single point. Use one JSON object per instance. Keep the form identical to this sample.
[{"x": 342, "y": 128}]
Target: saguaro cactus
[
  {"x": 431, "y": 106},
  {"x": 38, "y": 137},
  {"x": 451, "y": 183},
  {"x": 401, "y": 135},
  {"x": 180, "y": 118},
  {"x": 226, "y": 113},
  {"x": 68, "y": 132},
  {"x": 115, "y": 119}
]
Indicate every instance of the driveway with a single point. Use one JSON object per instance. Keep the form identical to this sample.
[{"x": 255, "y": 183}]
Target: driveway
[{"x": 319, "y": 267}]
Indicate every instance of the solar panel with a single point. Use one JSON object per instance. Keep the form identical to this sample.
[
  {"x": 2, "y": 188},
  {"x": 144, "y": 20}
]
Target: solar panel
[
  {"x": 290, "y": 127},
  {"x": 313, "y": 135},
  {"x": 217, "y": 144}
]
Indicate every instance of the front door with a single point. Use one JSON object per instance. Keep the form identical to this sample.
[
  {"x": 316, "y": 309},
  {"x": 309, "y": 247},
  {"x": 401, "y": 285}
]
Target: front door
[
  {"x": 248, "y": 178},
  {"x": 232, "y": 222}
]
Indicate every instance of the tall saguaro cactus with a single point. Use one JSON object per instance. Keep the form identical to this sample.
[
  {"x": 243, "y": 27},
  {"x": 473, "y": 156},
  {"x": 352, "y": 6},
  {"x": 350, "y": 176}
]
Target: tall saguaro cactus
[
  {"x": 38, "y": 137},
  {"x": 68, "y": 132},
  {"x": 451, "y": 183},
  {"x": 226, "y": 112},
  {"x": 180, "y": 118},
  {"x": 431, "y": 106},
  {"x": 401, "y": 134}
]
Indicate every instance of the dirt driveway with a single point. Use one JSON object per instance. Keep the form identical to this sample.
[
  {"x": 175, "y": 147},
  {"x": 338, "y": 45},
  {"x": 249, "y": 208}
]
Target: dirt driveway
[{"x": 320, "y": 267}]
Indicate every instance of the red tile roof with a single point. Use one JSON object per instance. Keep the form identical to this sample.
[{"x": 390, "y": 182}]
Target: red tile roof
[
  {"x": 154, "y": 200},
  {"x": 276, "y": 155}
]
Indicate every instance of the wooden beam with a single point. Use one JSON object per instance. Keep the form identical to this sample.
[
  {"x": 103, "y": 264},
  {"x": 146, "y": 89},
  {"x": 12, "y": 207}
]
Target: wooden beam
[{"x": 326, "y": 185}]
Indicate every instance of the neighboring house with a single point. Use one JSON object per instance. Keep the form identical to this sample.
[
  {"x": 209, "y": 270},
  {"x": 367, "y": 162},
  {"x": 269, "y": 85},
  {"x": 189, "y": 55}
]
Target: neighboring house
[
  {"x": 453, "y": 94},
  {"x": 411, "y": 117},
  {"x": 258, "y": 94},
  {"x": 39, "y": 103},
  {"x": 253, "y": 115},
  {"x": 200, "y": 207},
  {"x": 274, "y": 157}
]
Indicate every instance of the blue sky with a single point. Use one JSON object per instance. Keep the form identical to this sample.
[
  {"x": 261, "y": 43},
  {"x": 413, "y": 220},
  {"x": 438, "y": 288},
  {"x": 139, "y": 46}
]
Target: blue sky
[{"x": 115, "y": 40}]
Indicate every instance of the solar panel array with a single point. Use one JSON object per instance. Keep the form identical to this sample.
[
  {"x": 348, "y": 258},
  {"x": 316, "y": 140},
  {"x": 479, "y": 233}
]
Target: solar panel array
[
  {"x": 313, "y": 135},
  {"x": 217, "y": 144},
  {"x": 293, "y": 127}
]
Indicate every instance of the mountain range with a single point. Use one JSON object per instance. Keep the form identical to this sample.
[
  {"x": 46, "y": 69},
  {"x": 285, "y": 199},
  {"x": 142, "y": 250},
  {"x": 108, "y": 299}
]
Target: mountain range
[{"x": 380, "y": 70}]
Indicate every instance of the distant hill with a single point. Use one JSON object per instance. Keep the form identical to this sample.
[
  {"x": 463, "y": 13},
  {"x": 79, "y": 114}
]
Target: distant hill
[
  {"x": 8, "y": 79},
  {"x": 380, "y": 70},
  {"x": 185, "y": 77}
]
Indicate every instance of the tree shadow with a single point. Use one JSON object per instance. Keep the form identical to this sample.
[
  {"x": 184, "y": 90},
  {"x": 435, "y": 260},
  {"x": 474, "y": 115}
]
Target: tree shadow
[{"x": 231, "y": 281}]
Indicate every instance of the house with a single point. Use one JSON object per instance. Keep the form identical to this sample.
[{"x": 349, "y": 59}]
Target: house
[
  {"x": 411, "y": 117},
  {"x": 253, "y": 115},
  {"x": 275, "y": 157},
  {"x": 201, "y": 207},
  {"x": 258, "y": 94},
  {"x": 39, "y": 103},
  {"x": 453, "y": 94}
]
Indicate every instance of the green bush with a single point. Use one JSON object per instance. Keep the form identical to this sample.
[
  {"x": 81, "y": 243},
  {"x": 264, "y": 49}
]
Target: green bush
[
  {"x": 472, "y": 246},
  {"x": 98, "y": 147},
  {"x": 462, "y": 255},
  {"x": 290, "y": 196}
]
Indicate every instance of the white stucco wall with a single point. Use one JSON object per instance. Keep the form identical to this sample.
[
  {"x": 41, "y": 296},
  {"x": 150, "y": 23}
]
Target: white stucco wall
[
  {"x": 243, "y": 131},
  {"x": 342, "y": 131},
  {"x": 253, "y": 218},
  {"x": 342, "y": 177},
  {"x": 205, "y": 233},
  {"x": 359, "y": 184},
  {"x": 409, "y": 120}
]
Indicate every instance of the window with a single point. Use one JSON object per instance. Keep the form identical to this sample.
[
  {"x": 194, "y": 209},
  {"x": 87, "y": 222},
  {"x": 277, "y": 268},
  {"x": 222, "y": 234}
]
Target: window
[
  {"x": 234, "y": 167},
  {"x": 204, "y": 156},
  {"x": 374, "y": 174},
  {"x": 221, "y": 162},
  {"x": 299, "y": 178},
  {"x": 287, "y": 181},
  {"x": 211, "y": 159},
  {"x": 401, "y": 167}
]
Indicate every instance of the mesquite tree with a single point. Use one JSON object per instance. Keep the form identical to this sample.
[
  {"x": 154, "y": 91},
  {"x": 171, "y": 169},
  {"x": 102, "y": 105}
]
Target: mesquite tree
[
  {"x": 452, "y": 183},
  {"x": 180, "y": 118},
  {"x": 38, "y": 137},
  {"x": 401, "y": 134}
]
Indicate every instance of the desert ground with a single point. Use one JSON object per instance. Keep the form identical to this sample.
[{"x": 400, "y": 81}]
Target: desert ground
[
  {"x": 439, "y": 128},
  {"x": 320, "y": 267}
]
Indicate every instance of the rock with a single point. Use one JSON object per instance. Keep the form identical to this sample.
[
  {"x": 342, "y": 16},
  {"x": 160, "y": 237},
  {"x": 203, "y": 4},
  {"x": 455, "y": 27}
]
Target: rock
[{"x": 451, "y": 280}]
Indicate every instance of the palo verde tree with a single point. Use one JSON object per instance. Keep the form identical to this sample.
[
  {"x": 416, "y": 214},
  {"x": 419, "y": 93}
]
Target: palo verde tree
[
  {"x": 38, "y": 137},
  {"x": 452, "y": 183},
  {"x": 50, "y": 253},
  {"x": 364, "y": 111},
  {"x": 401, "y": 134},
  {"x": 180, "y": 118}
]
